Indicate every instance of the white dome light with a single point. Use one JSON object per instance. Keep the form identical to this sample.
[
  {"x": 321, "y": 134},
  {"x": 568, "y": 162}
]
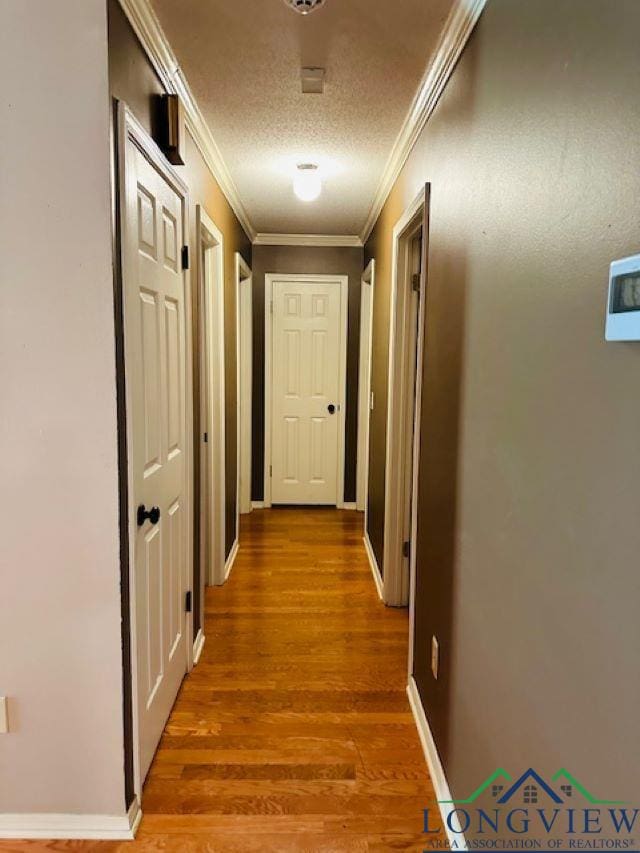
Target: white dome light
[
  {"x": 305, "y": 7},
  {"x": 307, "y": 184}
]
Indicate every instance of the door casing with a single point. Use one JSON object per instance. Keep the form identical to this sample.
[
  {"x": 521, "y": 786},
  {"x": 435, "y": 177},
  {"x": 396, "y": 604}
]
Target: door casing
[{"x": 269, "y": 279}]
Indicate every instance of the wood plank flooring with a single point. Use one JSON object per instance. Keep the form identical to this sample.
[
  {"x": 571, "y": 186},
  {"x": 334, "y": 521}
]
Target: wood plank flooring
[{"x": 294, "y": 732}]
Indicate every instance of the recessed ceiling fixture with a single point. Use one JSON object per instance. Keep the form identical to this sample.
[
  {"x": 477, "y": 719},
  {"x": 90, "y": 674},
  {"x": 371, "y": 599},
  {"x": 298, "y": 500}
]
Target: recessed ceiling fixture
[
  {"x": 307, "y": 184},
  {"x": 305, "y": 7}
]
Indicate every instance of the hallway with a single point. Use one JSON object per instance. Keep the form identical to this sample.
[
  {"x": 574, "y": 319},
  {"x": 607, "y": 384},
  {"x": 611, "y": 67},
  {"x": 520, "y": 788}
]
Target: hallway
[{"x": 294, "y": 731}]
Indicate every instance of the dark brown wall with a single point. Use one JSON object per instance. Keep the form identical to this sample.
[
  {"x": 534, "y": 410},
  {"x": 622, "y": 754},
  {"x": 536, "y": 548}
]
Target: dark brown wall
[
  {"x": 528, "y": 483},
  {"x": 306, "y": 260},
  {"x": 133, "y": 80}
]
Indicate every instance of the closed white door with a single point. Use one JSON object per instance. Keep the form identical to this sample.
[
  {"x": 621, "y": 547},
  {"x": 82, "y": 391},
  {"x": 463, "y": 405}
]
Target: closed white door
[
  {"x": 154, "y": 286},
  {"x": 307, "y": 411}
]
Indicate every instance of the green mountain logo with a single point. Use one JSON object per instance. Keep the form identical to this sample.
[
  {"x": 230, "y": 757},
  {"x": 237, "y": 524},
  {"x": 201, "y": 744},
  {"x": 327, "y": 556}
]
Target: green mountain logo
[
  {"x": 567, "y": 785},
  {"x": 571, "y": 780}
]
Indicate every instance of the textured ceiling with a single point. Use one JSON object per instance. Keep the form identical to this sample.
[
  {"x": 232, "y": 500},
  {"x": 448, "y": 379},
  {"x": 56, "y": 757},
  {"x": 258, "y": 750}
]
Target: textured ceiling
[{"x": 242, "y": 59}]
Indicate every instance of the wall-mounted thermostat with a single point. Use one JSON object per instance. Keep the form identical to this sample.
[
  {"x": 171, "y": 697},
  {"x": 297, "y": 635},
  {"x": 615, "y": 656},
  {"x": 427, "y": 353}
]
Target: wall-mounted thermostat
[{"x": 623, "y": 302}]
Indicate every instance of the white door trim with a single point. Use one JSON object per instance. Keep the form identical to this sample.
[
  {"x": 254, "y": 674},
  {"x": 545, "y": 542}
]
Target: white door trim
[
  {"x": 396, "y": 579},
  {"x": 343, "y": 280},
  {"x": 244, "y": 333},
  {"x": 209, "y": 239},
  {"x": 364, "y": 385},
  {"x": 130, "y": 130}
]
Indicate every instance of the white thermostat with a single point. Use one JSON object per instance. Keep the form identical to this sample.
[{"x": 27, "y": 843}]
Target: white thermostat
[{"x": 623, "y": 302}]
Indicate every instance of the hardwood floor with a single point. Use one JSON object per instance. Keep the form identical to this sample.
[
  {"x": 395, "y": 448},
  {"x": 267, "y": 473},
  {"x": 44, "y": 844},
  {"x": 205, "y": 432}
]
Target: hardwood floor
[{"x": 294, "y": 732}]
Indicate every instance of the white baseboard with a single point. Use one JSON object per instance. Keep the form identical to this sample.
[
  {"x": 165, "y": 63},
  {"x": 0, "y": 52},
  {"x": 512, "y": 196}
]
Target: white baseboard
[
  {"x": 198, "y": 645},
  {"x": 135, "y": 815},
  {"x": 257, "y": 504},
  {"x": 436, "y": 770},
  {"x": 77, "y": 826},
  {"x": 373, "y": 563},
  {"x": 233, "y": 553},
  {"x": 350, "y": 505}
]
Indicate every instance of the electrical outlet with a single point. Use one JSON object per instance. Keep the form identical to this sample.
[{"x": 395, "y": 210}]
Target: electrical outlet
[
  {"x": 4, "y": 717},
  {"x": 435, "y": 657}
]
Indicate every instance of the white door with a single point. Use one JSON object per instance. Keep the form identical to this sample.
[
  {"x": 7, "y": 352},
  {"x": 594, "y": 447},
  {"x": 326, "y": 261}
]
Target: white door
[
  {"x": 307, "y": 425},
  {"x": 154, "y": 294}
]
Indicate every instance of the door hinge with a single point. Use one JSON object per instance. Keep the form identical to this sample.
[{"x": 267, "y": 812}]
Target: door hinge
[
  {"x": 206, "y": 437},
  {"x": 271, "y": 470},
  {"x": 185, "y": 257},
  {"x": 187, "y": 601},
  {"x": 415, "y": 282},
  {"x": 271, "y": 306},
  {"x": 406, "y": 549}
]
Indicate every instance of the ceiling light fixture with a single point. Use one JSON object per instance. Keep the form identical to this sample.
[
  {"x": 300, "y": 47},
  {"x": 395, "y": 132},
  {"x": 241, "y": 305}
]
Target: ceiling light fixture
[
  {"x": 305, "y": 7},
  {"x": 306, "y": 183}
]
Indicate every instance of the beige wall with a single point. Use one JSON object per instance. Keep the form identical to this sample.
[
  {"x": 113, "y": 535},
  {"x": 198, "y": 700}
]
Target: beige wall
[
  {"x": 60, "y": 636},
  {"x": 529, "y": 486}
]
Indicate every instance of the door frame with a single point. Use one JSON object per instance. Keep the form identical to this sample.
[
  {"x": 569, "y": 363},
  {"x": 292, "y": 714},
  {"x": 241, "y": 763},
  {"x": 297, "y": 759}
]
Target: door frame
[
  {"x": 244, "y": 359},
  {"x": 397, "y": 578},
  {"x": 343, "y": 281},
  {"x": 367, "y": 285},
  {"x": 210, "y": 242},
  {"x": 131, "y": 131},
  {"x": 422, "y": 320}
]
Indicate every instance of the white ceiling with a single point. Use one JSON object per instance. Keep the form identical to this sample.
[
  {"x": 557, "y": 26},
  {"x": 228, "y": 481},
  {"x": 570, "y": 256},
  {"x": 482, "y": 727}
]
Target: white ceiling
[{"x": 242, "y": 60}]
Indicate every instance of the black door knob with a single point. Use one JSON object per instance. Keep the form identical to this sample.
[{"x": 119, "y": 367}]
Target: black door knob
[
  {"x": 143, "y": 514},
  {"x": 331, "y": 408}
]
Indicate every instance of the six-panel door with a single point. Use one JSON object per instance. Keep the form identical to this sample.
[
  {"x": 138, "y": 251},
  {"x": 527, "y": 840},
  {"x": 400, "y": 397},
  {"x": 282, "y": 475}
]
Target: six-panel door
[
  {"x": 155, "y": 329},
  {"x": 305, "y": 385}
]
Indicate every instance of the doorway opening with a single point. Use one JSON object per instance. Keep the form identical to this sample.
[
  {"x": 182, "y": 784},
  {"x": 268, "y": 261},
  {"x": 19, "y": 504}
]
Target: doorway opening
[
  {"x": 211, "y": 385},
  {"x": 244, "y": 337},
  {"x": 410, "y": 237},
  {"x": 367, "y": 284},
  {"x": 305, "y": 389}
]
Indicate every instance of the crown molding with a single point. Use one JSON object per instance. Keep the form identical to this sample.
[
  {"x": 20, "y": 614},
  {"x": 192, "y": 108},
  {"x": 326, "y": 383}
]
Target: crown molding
[
  {"x": 155, "y": 43},
  {"x": 345, "y": 240},
  {"x": 458, "y": 27},
  {"x": 456, "y": 31}
]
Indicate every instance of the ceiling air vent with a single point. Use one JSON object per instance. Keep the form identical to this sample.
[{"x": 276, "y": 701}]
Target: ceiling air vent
[{"x": 305, "y": 7}]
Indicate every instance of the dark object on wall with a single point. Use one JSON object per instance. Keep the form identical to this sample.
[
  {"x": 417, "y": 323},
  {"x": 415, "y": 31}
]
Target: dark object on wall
[{"x": 171, "y": 129}]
